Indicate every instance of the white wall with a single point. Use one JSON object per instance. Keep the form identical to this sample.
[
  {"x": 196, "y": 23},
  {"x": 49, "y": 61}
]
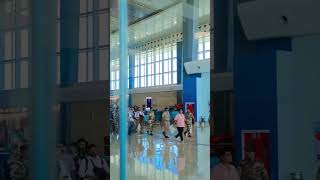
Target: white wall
[
  {"x": 298, "y": 107},
  {"x": 160, "y": 100}
]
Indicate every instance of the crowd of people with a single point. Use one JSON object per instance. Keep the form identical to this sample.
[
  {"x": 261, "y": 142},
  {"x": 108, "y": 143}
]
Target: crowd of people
[
  {"x": 141, "y": 120},
  {"x": 75, "y": 161}
]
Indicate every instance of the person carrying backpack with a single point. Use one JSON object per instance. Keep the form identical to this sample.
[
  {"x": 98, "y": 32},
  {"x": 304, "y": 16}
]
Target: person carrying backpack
[{"x": 94, "y": 166}]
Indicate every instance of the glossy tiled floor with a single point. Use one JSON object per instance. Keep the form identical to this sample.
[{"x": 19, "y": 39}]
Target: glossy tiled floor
[{"x": 156, "y": 158}]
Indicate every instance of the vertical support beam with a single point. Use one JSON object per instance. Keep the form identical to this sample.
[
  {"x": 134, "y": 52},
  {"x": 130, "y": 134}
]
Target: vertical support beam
[
  {"x": 123, "y": 25},
  {"x": 131, "y": 76},
  {"x": 189, "y": 50},
  {"x": 221, "y": 34},
  {"x": 65, "y": 126},
  {"x": 96, "y": 40},
  {"x": 17, "y": 58},
  {"x": 43, "y": 88},
  {"x": 2, "y": 46},
  {"x": 179, "y": 63},
  {"x": 29, "y": 55},
  {"x": 220, "y": 43},
  {"x": 69, "y": 43},
  {"x": 17, "y": 49}
]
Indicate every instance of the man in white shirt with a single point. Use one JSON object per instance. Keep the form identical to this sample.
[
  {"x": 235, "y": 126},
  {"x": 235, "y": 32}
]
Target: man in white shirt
[
  {"x": 139, "y": 116},
  {"x": 165, "y": 122},
  {"x": 93, "y": 166},
  {"x": 63, "y": 165}
]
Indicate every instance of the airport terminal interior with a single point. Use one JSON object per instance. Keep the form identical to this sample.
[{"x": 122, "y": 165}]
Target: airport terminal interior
[
  {"x": 158, "y": 79},
  {"x": 159, "y": 90}
]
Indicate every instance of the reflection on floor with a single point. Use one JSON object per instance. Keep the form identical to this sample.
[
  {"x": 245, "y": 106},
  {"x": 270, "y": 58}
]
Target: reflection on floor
[{"x": 156, "y": 158}]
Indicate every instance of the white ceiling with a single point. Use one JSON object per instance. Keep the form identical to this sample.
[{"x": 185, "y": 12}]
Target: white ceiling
[{"x": 162, "y": 24}]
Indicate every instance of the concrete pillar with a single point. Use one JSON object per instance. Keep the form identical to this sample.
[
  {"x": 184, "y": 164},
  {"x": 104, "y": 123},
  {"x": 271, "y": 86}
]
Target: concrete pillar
[
  {"x": 69, "y": 41},
  {"x": 69, "y": 58},
  {"x": 131, "y": 77},
  {"x": 189, "y": 51},
  {"x": 123, "y": 39},
  {"x": 43, "y": 88}
]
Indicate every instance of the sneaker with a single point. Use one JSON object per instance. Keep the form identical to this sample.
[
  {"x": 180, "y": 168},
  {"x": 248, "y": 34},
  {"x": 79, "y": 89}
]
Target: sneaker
[
  {"x": 151, "y": 134},
  {"x": 189, "y": 136},
  {"x": 166, "y": 137}
]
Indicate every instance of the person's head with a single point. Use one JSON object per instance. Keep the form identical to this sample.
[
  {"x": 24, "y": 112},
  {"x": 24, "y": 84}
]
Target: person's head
[
  {"x": 250, "y": 152},
  {"x": 188, "y": 110},
  {"x": 166, "y": 109},
  {"x": 181, "y": 111},
  {"x": 92, "y": 150},
  {"x": 225, "y": 155},
  {"x": 82, "y": 144},
  {"x": 61, "y": 147}
]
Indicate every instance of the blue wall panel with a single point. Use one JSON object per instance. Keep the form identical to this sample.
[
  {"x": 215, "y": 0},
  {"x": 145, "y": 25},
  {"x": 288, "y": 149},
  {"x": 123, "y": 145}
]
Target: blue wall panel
[{"x": 256, "y": 99}]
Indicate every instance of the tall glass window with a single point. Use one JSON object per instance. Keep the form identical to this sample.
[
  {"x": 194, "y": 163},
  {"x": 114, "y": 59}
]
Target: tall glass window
[
  {"x": 204, "y": 48},
  {"x": 115, "y": 74},
  {"x": 156, "y": 67},
  {"x": 93, "y": 41}
]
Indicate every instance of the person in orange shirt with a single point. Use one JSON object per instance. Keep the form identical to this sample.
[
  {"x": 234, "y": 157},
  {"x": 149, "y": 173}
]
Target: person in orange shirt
[{"x": 180, "y": 122}]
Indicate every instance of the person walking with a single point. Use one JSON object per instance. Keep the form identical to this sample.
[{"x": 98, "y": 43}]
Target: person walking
[
  {"x": 65, "y": 163},
  {"x": 189, "y": 118},
  {"x": 151, "y": 116},
  {"x": 165, "y": 122},
  {"x": 130, "y": 121},
  {"x": 180, "y": 122},
  {"x": 140, "y": 117},
  {"x": 116, "y": 119}
]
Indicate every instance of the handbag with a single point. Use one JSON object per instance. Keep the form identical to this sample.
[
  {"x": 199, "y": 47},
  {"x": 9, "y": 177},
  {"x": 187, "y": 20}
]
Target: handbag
[{"x": 172, "y": 130}]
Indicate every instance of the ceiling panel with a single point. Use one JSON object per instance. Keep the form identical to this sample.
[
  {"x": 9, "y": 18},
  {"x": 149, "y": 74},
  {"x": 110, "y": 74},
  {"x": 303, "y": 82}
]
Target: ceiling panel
[
  {"x": 162, "y": 24},
  {"x": 139, "y": 10}
]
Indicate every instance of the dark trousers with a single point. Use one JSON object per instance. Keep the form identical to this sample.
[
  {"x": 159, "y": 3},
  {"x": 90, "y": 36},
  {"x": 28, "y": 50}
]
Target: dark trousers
[
  {"x": 131, "y": 128},
  {"x": 180, "y": 131}
]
